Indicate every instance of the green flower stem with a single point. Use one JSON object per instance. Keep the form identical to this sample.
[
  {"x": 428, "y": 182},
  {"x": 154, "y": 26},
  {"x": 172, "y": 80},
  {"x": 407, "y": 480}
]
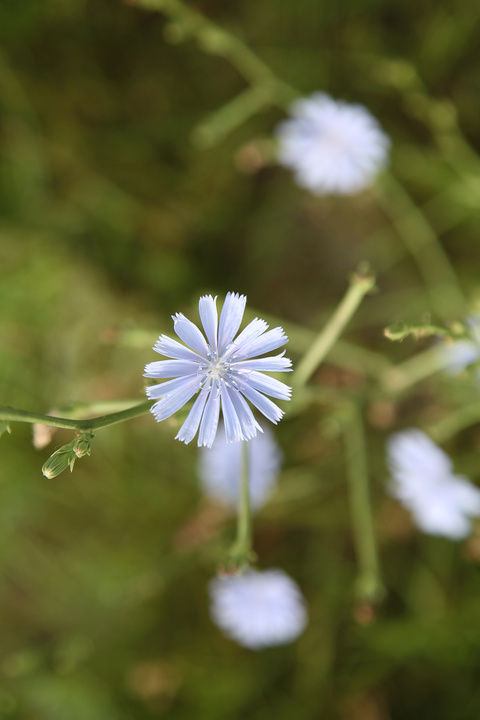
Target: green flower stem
[
  {"x": 360, "y": 285},
  {"x": 215, "y": 40},
  {"x": 241, "y": 553},
  {"x": 458, "y": 420},
  {"x": 397, "y": 379},
  {"x": 424, "y": 247},
  {"x": 223, "y": 121},
  {"x": 369, "y": 586},
  {"x": 10, "y": 414}
]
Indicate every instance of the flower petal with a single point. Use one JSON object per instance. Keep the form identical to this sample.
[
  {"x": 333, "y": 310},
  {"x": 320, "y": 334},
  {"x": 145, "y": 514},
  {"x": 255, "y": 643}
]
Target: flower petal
[
  {"x": 278, "y": 363},
  {"x": 171, "y": 348},
  {"x": 266, "y": 406},
  {"x": 270, "y": 340},
  {"x": 189, "y": 428},
  {"x": 175, "y": 400},
  {"x": 170, "y": 386},
  {"x": 268, "y": 385},
  {"x": 190, "y": 334},
  {"x": 230, "y": 319},
  {"x": 248, "y": 335},
  {"x": 170, "y": 368},
  {"x": 250, "y": 426},
  {"x": 209, "y": 424},
  {"x": 207, "y": 306},
  {"x": 233, "y": 428}
]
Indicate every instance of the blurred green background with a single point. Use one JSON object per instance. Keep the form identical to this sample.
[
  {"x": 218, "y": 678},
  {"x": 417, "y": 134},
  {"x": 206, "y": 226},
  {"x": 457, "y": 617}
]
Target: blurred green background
[{"x": 112, "y": 219}]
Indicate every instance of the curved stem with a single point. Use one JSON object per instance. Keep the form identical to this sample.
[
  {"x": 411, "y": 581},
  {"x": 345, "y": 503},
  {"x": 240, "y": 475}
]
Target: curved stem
[{"x": 10, "y": 414}]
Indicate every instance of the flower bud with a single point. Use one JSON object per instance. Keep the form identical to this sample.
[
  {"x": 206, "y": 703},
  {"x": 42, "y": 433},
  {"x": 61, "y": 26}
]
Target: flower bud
[
  {"x": 83, "y": 445},
  {"x": 58, "y": 462}
]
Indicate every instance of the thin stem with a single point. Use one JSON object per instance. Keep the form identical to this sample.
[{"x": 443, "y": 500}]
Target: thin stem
[
  {"x": 360, "y": 285},
  {"x": 241, "y": 554},
  {"x": 223, "y": 121},
  {"x": 217, "y": 41},
  {"x": 455, "y": 422},
  {"x": 424, "y": 247},
  {"x": 10, "y": 414},
  {"x": 401, "y": 377},
  {"x": 369, "y": 586}
]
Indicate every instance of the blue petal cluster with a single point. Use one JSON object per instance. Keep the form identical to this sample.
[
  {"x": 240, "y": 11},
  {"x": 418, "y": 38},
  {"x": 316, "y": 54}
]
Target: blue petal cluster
[
  {"x": 220, "y": 468},
  {"x": 441, "y": 503},
  {"x": 258, "y": 609},
  {"x": 333, "y": 147},
  {"x": 222, "y": 370}
]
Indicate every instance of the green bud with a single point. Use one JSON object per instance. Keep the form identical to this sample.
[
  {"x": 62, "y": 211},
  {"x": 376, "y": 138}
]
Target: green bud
[
  {"x": 83, "y": 445},
  {"x": 58, "y": 462},
  {"x": 4, "y": 427},
  {"x": 61, "y": 459}
]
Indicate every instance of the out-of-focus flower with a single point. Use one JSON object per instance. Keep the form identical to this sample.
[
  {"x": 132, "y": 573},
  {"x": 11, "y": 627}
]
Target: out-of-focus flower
[
  {"x": 422, "y": 479},
  {"x": 225, "y": 372},
  {"x": 258, "y": 609},
  {"x": 332, "y": 147},
  {"x": 220, "y": 468},
  {"x": 42, "y": 435},
  {"x": 459, "y": 354}
]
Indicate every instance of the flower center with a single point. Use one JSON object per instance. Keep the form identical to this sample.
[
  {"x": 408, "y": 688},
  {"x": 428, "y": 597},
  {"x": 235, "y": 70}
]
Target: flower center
[{"x": 216, "y": 371}]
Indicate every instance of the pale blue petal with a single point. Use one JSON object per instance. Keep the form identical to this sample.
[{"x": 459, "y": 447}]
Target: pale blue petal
[
  {"x": 209, "y": 316},
  {"x": 173, "y": 349},
  {"x": 258, "y": 609},
  {"x": 220, "y": 468},
  {"x": 230, "y": 319},
  {"x": 250, "y": 426},
  {"x": 459, "y": 355},
  {"x": 266, "y": 406},
  {"x": 175, "y": 400},
  {"x": 209, "y": 424},
  {"x": 248, "y": 335},
  {"x": 171, "y": 386},
  {"x": 190, "y": 334},
  {"x": 268, "y": 385},
  {"x": 170, "y": 368},
  {"x": 412, "y": 452},
  {"x": 189, "y": 428},
  {"x": 233, "y": 428},
  {"x": 270, "y": 340},
  {"x": 278, "y": 363}
]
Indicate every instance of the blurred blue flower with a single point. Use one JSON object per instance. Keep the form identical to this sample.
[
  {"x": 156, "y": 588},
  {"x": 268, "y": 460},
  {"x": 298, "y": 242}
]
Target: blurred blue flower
[
  {"x": 220, "y": 468},
  {"x": 460, "y": 354},
  {"x": 332, "y": 147},
  {"x": 422, "y": 479},
  {"x": 222, "y": 370},
  {"x": 258, "y": 609}
]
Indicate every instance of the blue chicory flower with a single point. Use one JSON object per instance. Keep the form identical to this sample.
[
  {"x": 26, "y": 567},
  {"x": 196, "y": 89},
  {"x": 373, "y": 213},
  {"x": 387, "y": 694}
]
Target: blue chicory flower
[
  {"x": 333, "y": 147},
  {"x": 222, "y": 370},
  {"x": 220, "y": 468},
  {"x": 258, "y": 609},
  {"x": 441, "y": 503}
]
